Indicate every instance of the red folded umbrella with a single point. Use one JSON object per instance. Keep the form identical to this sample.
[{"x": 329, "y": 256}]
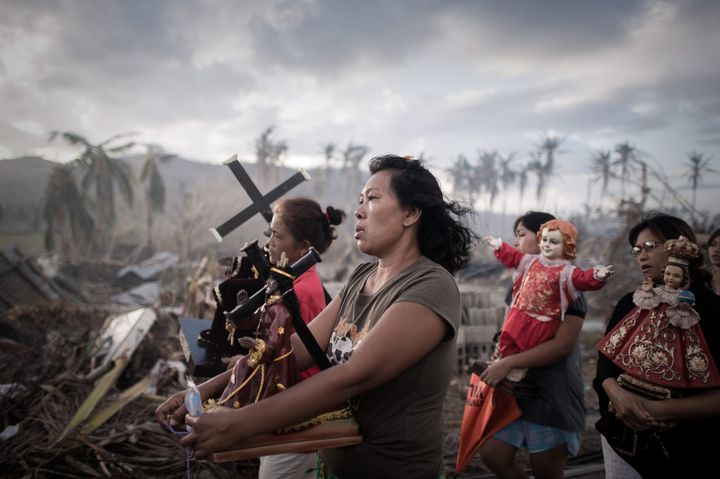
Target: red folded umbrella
[{"x": 487, "y": 411}]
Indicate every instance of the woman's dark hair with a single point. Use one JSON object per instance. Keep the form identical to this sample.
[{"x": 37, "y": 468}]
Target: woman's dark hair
[
  {"x": 532, "y": 220},
  {"x": 668, "y": 227},
  {"x": 306, "y": 221},
  {"x": 443, "y": 238}
]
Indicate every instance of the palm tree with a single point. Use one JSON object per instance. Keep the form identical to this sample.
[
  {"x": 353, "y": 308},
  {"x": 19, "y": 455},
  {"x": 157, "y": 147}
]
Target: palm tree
[
  {"x": 507, "y": 176},
  {"x": 105, "y": 173},
  {"x": 280, "y": 147},
  {"x": 698, "y": 164},
  {"x": 65, "y": 212},
  {"x": 602, "y": 169},
  {"x": 522, "y": 178},
  {"x": 352, "y": 157},
  {"x": 328, "y": 150},
  {"x": 486, "y": 175},
  {"x": 155, "y": 186},
  {"x": 535, "y": 165},
  {"x": 627, "y": 156},
  {"x": 549, "y": 147},
  {"x": 267, "y": 152},
  {"x": 460, "y": 173}
]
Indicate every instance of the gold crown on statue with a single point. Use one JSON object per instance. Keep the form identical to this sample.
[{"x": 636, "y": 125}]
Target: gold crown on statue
[{"x": 681, "y": 250}]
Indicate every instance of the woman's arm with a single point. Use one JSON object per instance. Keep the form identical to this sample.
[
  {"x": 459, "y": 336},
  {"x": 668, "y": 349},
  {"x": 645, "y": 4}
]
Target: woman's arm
[
  {"x": 321, "y": 328},
  {"x": 404, "y": 334},
  {"x": 549, "y": 352},
  {"x": 698, "y": 406},
  {"x": 630, "y": 408}
]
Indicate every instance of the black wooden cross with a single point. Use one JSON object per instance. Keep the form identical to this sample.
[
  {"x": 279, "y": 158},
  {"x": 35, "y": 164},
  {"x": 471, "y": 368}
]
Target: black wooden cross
[{"x": 260, "y": 204}]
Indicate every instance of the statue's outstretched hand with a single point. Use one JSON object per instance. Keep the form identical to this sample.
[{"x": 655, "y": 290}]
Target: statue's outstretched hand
[
  {"x": 493, "y": 241},
  {"x": 602, "y": 273}
]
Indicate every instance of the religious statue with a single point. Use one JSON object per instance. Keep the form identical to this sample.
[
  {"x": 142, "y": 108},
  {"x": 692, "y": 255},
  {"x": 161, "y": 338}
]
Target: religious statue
[
  {"x": 543, "y": 287},
  {"x": 659, "y": 344}
]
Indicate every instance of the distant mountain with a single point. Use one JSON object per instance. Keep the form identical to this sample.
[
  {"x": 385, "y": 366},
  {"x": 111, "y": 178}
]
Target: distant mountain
[
  {"x": 23, "y": 180},
  {"x": 199, "y": 196}
]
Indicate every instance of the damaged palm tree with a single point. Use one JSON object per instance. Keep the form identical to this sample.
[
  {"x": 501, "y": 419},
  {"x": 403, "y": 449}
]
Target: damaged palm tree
[{"x": 105, "y": 173}]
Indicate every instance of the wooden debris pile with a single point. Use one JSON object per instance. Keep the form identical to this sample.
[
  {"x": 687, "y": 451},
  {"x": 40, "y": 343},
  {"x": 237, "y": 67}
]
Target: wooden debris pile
[{"x": 69, "y": 425}]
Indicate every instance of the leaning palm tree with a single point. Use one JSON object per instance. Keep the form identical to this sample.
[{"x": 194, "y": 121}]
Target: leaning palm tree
[
  {"x": 105, "y": 173},
  {"x": 155, "y": 186},
  {"x": 602, "y": 170},
  {"x": 697, "y": 166},
  {"x": 65, "y": 212}
]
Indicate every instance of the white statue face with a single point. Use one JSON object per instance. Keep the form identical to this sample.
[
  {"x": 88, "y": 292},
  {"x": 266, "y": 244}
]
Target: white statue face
[
  {"x": 673, "y": 277},
  {"x": 551, "y": 244}
]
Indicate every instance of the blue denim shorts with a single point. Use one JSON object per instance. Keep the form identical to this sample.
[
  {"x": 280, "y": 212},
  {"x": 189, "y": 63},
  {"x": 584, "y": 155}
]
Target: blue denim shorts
[{"x": 537, "y": 438}]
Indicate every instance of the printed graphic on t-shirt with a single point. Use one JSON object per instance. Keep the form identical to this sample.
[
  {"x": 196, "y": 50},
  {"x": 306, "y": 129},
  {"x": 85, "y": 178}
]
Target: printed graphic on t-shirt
[{"x": 343, "y": 341}]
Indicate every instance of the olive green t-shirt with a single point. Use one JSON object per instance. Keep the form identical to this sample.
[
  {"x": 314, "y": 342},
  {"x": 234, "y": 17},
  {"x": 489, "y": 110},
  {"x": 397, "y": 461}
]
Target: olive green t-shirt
[{"x": 400, "y": 421}]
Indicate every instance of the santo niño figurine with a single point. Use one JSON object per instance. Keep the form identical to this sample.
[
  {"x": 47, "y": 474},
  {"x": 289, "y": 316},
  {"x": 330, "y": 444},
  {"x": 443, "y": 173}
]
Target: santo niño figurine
[
  {"x": 660, "y": 342},
  {"x": 543, "y": 287},
  {"x": 269, "y": 366}
]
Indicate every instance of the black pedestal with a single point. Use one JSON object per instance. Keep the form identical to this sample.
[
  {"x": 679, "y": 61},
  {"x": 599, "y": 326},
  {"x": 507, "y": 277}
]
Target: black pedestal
[{"x": 203, "y": 359}]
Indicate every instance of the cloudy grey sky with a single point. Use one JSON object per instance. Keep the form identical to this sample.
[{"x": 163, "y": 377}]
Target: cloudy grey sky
[{"x": 204, "y": 78}]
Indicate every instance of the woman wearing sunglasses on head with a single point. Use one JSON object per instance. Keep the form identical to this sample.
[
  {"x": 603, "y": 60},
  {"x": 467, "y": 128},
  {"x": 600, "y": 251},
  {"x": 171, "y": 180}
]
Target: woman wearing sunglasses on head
[{"x": 645, "y": 437}]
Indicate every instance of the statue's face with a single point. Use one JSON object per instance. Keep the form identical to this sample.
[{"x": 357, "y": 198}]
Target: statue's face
[
  {"x": 673, "y": 277},
  {"x": 551, "y": 244}
]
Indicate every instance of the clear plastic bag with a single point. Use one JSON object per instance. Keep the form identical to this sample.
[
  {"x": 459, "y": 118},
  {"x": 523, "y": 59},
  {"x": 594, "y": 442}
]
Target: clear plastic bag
[{"x": 193, "y": 401}]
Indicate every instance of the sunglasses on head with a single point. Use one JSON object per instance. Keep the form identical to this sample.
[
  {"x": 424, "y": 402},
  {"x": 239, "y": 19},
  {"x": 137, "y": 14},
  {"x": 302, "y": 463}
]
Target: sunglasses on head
[{"x": 647, "y": 246}]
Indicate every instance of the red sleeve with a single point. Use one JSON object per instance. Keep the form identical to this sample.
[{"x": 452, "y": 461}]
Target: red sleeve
[
  {"x": 311, "y": 298},
  {"x": 508, "y": 255},
  {"x": 310, "y": 295},
  {"x": 584, "y": 280}
]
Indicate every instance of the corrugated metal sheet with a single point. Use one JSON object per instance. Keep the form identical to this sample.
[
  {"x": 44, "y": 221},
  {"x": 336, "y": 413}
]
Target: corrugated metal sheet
[{"x": 21, "y": 282}]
